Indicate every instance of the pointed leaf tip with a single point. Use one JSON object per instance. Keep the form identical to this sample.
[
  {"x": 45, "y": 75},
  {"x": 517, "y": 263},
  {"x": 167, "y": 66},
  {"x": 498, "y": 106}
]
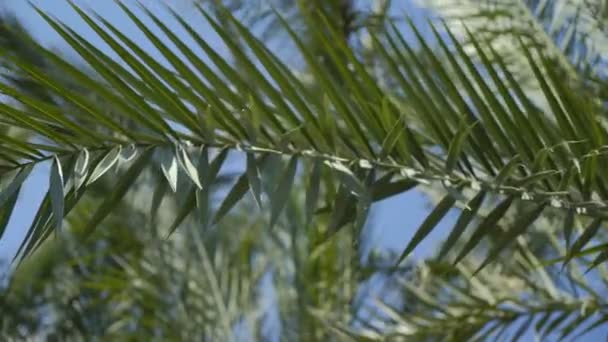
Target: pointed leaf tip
[
  {"x": 169, "y": 168},
  {"x": 428, "y": 225},
  {"x": 81, "y": 168},
  {"x": 601, "y": 258},
  {"x": 56, "y": 191},
  {"x": 588, "y": 234},
  {"x": 105, "y": 164},
  {"x": 186, "y": 164},
  {"x": 14, "y": 185},
  {"x": 234, "y": 196},
  {"x": 253, "y": 176},
  {"x": 456, "y": 146},
  {"x": 128, "y": 153},
  {"x": 484, "y": 227},
  {"x": 466, "y": 216}
]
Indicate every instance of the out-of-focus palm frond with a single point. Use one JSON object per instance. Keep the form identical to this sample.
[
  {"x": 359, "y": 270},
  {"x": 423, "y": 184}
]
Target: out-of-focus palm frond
[
  {"x": 517, "y": 296},
  {"x": 571, "y": 31}
]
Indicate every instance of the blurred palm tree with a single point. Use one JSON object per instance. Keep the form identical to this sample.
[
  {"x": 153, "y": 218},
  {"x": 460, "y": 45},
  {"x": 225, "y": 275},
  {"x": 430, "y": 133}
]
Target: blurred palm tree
[{"x": 505, "y": 125}]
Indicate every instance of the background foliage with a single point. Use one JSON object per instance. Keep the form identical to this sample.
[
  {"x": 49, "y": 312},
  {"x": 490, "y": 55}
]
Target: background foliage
[{"x": 494, "y": 109}]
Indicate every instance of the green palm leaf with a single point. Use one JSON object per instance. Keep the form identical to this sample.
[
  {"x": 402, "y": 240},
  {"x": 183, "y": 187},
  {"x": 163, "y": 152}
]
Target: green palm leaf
[{"x": 454, "y": 121}]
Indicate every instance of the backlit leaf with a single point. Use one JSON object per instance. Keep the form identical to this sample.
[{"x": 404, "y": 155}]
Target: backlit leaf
[
  {"x": 169, "y": 168},
  {"x": 105, "y": 164},
  {"x": 56, "y": 190}
]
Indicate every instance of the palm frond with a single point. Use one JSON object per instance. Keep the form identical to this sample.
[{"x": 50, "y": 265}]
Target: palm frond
[
  {"x": 514, "y": 296},
  {"x": 463, "y": 124},
  {"x": 570, "y": 31}
]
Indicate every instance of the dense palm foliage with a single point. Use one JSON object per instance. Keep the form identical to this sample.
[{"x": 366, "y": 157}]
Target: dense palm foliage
[{"x": 146, "y": 231}]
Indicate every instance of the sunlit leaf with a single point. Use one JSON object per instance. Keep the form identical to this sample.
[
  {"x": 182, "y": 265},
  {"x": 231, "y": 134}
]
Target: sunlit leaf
[
  {"x": 106, "y": 164},
  {"x": 81, "y": 168},
  {"x": 56, "y": 188},
  {"x": 186, "y": 163},
  {"x": 118, "y": 192},
  {"x": 209, "y": 172},
  {"x": 169, "y": 167}
]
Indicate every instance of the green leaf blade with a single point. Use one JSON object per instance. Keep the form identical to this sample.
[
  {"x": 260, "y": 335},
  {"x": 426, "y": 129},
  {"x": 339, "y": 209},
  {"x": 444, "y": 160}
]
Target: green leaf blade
[
  {"x": 428, "y": 225},
  {"x": 484, "y": 227},
  {"x": 465, "y": 218},
  {"x": 283, "y": 189},
  {"x": 253, "y": 176},
  {"x": 56, "y": 189}
]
